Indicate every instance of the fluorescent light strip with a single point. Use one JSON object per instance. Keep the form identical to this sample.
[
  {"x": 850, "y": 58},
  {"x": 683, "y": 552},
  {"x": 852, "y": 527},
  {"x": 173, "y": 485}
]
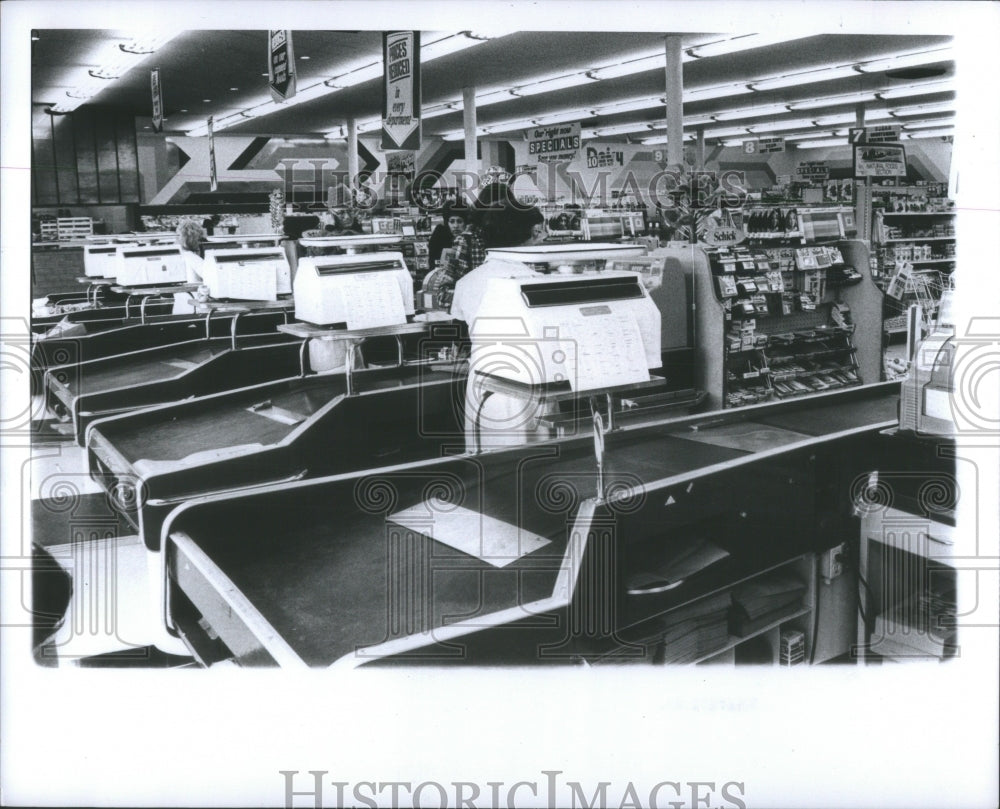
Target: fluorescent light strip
[
  {"x": 734, "y": 44},
  {"x": 820, "y": 143},
  {"x": 550, "y": 85},
  {"x": 356, "y": 75},
  {"x": 832, "y": 101},
  {"x": 775, "y": 126},
  {"x": 752, "y": 112},
  {"x": 909, "y": 59},
  {"x": 932, "y": 133},
  {"x": 929, "y": 124},
  {"x": 916, "y": 90},
  {"x": 108, "y": 61},
  {"x": 920, "y": 109},
  {"x": 805, "y": 77}
]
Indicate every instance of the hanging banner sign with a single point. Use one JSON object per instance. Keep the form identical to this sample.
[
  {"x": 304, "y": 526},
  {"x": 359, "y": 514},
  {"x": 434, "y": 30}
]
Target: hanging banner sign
[
  {"x": 280, "y": 65},
  {"x": 883, "y": 133},
  {"x": 554, "y": 144},
  {"x": 213, "y": 177},
  {"x": 401, "y": 163},
  {"x": 770, "y": 145},
  {"x": 154, "y": 86},
  {"x": 813, "y": 170},
  {"x": 879, "y": 160},
  {"x": 401, "y": 90}
]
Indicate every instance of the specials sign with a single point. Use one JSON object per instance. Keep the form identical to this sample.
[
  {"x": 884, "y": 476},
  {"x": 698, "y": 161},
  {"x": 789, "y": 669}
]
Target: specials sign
[
  {"x": 554, "y": 144},
  {"x": 401, "y": 90},
  {"x": 280, "y": 65}
]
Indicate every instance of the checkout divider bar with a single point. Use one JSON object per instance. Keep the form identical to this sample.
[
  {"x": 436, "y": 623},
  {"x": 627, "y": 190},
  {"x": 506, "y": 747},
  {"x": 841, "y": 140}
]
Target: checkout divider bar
[{"x": 576, "y": 545}]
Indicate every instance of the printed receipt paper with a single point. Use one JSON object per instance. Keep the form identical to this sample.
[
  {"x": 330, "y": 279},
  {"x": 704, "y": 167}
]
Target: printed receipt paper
[
  {"x": 603, "y": 350},
  {"x": 486, "y": 538}
]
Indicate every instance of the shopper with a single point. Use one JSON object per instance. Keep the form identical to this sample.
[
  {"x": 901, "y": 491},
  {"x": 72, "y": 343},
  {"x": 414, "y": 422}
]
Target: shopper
[
  {"x": 443, "y": 236},
  {"x": 190, "y": 236}
]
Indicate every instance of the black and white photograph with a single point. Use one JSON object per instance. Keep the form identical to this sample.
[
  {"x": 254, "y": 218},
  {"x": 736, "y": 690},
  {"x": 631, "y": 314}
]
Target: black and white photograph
[{"x": 500, "y": 404}]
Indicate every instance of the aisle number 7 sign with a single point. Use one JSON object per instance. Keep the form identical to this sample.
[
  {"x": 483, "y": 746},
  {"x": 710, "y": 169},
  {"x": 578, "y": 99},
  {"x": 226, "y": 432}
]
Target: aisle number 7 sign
[{"x": 401, "y": 90}]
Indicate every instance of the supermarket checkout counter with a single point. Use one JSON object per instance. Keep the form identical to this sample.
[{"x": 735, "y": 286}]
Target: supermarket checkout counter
[
  {"x": 547, "y": 553},
  {"x": 321, "y": 412}
]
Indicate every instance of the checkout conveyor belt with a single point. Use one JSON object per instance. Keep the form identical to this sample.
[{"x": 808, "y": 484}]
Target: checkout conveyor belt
[
  {"x": 83, "y": 392},
  {"x": 496, "y": 557},
  {"x": 49, "y": 352},
  {"x": 291, "y": 428}
]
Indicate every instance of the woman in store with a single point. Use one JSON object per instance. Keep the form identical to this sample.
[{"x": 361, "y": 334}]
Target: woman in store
[
  {"x": 444, "y": 234},
  {"x": 190, "y": 236}
]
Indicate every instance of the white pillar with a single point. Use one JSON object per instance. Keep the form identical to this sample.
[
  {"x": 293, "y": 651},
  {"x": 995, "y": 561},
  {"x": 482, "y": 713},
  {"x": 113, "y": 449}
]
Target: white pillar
[
  {"x": 352, "y": 149},
  {"x": 469, "y": 120},
  {"x": 674, "y": 100}
]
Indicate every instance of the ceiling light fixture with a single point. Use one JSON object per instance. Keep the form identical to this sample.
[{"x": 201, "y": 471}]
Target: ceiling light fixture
[
  {"x": 820, "y": 143},
  {"x": 357, "y": 74},
  {"x": 735, "y": 44},
  {"x": 752, "y": 112},
  {"x": 928, "y": 88},
  {"x": 805, "y": 77},
  {"x": 910, "y": 59},
  {"x": 932, "y": 133},
  {"x": 832, "y": 101},
  {"x": 109, "y": 60}
]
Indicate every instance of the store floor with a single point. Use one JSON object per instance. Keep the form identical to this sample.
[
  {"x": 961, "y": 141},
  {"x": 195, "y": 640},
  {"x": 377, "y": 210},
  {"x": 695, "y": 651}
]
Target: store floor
[{"x": 93, "y": 596}]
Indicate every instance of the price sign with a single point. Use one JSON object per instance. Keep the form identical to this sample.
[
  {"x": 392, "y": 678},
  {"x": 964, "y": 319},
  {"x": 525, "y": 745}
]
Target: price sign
[
  {"x": 280, "y": 65},
  {"x": 401, "y": 90},
  {"x": 154, "y": 86}
]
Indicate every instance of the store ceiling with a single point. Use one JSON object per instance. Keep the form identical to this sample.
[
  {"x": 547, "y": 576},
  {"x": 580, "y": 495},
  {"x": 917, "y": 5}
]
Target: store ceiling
[{"x": 219, "y": 73}]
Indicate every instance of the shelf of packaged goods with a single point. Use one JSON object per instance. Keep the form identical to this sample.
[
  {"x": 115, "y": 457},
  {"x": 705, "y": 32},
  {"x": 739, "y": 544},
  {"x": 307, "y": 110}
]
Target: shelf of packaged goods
[
  {"x": 836, "y": 386},
  {"x": 925, "y": 261},
  {"x": 778, "y": 234},
  {"x": 777, "y": 375},
  {"x": 919, "y": 239},
  {"x": 918, "y": 213}
]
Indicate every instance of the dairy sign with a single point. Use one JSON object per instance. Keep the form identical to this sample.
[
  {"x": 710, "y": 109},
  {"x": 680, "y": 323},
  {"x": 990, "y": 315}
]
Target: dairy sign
[
  {"x": 554, "y": 144},
  {"x": 604, "y": 159},
  {"x": 401, "y": 90}
]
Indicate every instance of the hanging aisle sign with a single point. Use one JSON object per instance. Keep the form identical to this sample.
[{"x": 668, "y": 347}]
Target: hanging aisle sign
[
  {"x": 280, "y": 65},
  {"x": 157, "y": 93},
  {"x": 553, "y": 144},
  {"x": 213, "y": 178},
  {"x": 401, "y": 90}
]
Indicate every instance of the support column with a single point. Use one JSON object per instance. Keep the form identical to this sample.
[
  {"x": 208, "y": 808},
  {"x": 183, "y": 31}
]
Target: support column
[
  {"x": 701, "y": 149},
  {"x": 469, "y": 120},
  {"x": 862, "y": 193},
  {"x": 674, "y": 100},
  {"x": 352, "y": 150}
]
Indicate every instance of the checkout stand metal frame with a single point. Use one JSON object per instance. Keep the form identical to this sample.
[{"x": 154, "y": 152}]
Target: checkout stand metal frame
[{"x": 665, "y": 461}]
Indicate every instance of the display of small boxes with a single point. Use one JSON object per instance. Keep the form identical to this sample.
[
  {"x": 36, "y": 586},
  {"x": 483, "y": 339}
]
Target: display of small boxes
[{"x": 792, "y": 647}]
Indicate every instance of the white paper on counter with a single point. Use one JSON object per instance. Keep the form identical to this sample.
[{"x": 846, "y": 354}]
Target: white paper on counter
[
  {"x": 488, "y": 539},
  {"x": 372, "y": 299}
]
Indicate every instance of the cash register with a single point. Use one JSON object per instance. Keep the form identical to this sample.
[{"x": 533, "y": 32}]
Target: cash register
[
  {"x": 259, "y": 273},
  {"x": 548, "y": 324},
  {"x": 149, "y": 265},
  {"x": 925, "y": 395},
  {"x": 345, "y": 289},
  {"x": 100, "y": 260}
]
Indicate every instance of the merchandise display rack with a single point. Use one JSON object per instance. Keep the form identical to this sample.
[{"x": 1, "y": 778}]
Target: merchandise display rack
[{"x": 782, "y": 321}]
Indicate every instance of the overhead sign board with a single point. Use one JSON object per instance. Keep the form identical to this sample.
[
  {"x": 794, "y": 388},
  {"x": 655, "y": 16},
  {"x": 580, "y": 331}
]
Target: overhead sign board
[
  {"x": 883, "y": 133},
  {"x": 280, "y": 65},
  {"x": 213, "y": 177},
  {"x": 401, "y": 90},
  {"x": 554, "y": 144},
  {"x": 154, "y": 87},
  {"x": 879, "y": 160}
]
